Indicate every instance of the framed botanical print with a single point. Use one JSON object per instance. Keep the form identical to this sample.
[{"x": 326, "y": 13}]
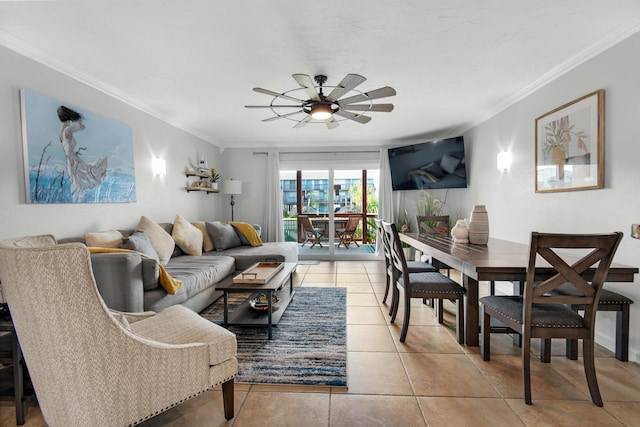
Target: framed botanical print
[{"x": 570, "y": 146}]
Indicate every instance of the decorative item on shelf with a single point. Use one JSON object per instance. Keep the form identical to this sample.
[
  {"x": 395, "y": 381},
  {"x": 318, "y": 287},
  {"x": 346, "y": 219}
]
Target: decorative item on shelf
[
  {"x": 202, "y": 166},
  {"x": 214, "y": 179},
  {"x": 460, "y": 231},
  {"x": 479, "y": 225},
  {"x": 261, "y": 303}
]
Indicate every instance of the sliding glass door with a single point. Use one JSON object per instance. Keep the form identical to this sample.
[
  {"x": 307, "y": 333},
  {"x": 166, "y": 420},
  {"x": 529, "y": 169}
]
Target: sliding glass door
[{"x": 330, "y": 212}]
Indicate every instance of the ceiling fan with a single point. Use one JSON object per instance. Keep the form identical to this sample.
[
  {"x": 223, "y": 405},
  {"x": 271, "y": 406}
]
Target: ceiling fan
[{"x": 319, "y": 107}]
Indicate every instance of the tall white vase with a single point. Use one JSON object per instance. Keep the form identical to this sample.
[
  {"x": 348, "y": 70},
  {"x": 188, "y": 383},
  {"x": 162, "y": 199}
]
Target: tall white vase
[{"x": 479, "y": 225}]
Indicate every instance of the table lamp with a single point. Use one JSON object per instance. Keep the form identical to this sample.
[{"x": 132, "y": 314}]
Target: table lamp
[{"x": 232, "y": 187}]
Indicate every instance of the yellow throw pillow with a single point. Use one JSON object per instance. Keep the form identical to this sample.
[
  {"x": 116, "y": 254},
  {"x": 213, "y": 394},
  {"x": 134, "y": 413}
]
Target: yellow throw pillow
[
  {"x": 248, "y": 232},
  {"x": 162, "y": 241},
  {"x": 187, "y": 236},
  {"x": 207, "y": 243}
]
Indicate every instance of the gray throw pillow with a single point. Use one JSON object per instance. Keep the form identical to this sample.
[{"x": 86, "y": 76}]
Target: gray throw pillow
[
  {"x": 140, "y": 242},
  {"x": 224, "y": 236}
]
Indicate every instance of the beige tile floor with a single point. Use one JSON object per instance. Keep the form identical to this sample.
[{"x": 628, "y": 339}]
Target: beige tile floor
[{"x": 428, "y": 380}]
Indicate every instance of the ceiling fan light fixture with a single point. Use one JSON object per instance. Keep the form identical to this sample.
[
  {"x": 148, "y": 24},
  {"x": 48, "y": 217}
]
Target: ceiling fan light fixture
[{"x": 321, "y": 111}]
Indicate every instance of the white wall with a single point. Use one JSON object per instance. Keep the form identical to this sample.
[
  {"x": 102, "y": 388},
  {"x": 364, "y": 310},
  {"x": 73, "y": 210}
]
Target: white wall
[{"x": 159, "y": 198}]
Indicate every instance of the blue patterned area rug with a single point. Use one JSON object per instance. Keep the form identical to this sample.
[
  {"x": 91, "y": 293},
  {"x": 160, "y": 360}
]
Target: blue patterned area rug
[{"x": 309, "y": 344}]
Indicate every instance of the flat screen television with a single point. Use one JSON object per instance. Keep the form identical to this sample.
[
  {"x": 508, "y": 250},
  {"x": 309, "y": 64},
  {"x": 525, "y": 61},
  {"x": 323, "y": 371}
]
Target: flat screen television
[{"x": 429, "y": 165}]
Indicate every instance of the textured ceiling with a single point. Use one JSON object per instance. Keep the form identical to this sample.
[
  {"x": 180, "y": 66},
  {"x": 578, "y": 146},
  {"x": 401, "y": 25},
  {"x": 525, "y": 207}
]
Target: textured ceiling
[{"x": 194, "y": 63}]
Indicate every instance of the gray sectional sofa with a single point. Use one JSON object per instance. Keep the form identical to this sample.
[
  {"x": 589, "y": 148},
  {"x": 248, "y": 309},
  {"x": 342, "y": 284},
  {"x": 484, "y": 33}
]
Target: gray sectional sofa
[{"x": 130, "y": 281}]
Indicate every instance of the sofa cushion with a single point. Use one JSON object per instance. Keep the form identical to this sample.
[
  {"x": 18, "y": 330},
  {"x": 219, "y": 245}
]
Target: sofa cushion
[
  {"x": 197, "y": 273},
  {"x": 246, "y": 256},
  {"x": 224, "y": 236},
  {"x": 139, "y": 241},
  {"x": 187, "y": 236},
  {"x": 179, "y": 325},
  {"x": 104, "y": 239},
  {"x": 162, "y": 241},
  {"x": 247, "y": 234},
  {"x": 207, "y": 243}
]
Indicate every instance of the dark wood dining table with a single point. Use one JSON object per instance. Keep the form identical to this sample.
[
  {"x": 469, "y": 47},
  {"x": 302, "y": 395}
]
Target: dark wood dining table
[{"x": 498, "y": 260}]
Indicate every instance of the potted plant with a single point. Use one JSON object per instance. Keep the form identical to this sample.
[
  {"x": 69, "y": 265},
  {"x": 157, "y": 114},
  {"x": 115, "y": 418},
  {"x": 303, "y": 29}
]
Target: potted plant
[{"x": 214, "y": 179}]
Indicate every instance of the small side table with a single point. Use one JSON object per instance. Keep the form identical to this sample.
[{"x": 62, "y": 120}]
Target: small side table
[{"x": 11, "y": 354}]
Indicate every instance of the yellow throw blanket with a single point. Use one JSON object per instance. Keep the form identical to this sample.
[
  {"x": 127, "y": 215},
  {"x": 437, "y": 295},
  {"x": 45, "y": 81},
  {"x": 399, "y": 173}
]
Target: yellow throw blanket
[{"x": 169, "y": 284}]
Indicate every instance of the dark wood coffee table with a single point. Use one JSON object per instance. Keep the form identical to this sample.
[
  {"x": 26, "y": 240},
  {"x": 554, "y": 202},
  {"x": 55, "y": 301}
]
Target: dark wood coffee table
[{"x": 244, "y": 314}]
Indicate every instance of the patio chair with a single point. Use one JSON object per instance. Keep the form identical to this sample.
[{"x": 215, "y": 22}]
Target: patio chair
[
  {"x": 93, "y": 366},
  {"x": 346, "y": 235},
  {"x": 540, "y": 314},
  {"x": 311, "y": 234}
]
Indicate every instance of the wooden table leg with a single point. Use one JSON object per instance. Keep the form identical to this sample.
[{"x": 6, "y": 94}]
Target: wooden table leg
[{"x": 472, "y": 325}]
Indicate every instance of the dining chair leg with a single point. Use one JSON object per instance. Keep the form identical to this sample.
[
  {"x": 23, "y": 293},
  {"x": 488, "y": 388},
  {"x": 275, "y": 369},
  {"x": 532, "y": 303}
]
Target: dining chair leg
[
  {"x": 545, "y": 350},
  {"x": 590, "y": 371},
  {"x": 526, "y": 369},
  {"x": 622, "y": 333},
  {"x": 440, "y": 310},
  {"x": 460, "y": 320},
  {"x": 407, "y": 316},
  {"x": 386, "y": 290},
  {"x": 395, "y": 301},
  {"x": 485, "y": 326}
]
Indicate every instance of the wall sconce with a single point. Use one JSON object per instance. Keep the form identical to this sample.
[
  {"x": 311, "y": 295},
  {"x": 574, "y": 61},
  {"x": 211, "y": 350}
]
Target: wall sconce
[
  {"x": 159, "y": 166},
  {"x": 504, "y": 160}
]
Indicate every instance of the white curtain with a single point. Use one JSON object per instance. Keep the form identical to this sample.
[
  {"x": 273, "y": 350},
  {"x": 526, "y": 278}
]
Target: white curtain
[
  {"x": 274, "y": 228},
  {"x": 385, "y": 195}
]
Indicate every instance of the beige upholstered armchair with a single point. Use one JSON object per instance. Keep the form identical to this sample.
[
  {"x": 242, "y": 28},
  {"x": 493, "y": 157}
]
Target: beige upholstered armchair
[{"x": 91, "y": 366}]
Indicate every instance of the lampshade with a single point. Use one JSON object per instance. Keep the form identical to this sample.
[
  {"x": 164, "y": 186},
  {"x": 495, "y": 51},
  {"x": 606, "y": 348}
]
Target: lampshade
[
  {"x": 232, "y": 187},
  {"x": 321, "y": 111}
]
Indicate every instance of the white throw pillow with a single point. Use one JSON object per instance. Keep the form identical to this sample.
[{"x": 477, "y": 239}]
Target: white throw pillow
[
  {"x": 104, "y": 239},
  {"x": 162, "y": 241},
  {"x": 187, "y": 236}
]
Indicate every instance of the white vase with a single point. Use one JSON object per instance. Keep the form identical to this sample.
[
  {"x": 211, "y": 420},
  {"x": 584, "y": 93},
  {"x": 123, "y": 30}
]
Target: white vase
[
  {"x": 479, "y": 225},
  {"x": 460, "y": 232},
  {"x": 214, "y": 185}
]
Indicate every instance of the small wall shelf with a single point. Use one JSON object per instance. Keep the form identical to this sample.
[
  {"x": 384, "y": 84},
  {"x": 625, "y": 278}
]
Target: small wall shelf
[{"x": 203, "y": 178}]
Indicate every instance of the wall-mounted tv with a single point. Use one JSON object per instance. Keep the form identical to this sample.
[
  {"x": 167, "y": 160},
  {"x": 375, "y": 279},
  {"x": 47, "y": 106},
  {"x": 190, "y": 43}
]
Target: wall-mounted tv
[{"x": 429, "y": 165}]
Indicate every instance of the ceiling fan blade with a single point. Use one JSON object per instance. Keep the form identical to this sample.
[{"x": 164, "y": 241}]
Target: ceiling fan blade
[
  {"x": 331, "y": 123},
  {"x": 349, "y": 82},
  {"x": 356, "y": 117},
  {"x": 307, "y": 83},
  {"x": 282, "y": 116},
  {"x": 303, "y": 122},
  {"x": 272, "y": 106},
  {"x": 385, "y": 108},
  {"x": 383, "y": 92},
  {"x": 279, "y": 95}
]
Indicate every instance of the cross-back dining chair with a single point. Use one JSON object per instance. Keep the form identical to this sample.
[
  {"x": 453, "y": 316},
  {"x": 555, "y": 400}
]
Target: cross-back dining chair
[
  {"x": 312, "y": 234},
  {"x": 434, "y": 224},
  {"x": 412, "y": 266},
  {"x": 432, "y": 285},
  {"x": 564, "y": 259}
]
